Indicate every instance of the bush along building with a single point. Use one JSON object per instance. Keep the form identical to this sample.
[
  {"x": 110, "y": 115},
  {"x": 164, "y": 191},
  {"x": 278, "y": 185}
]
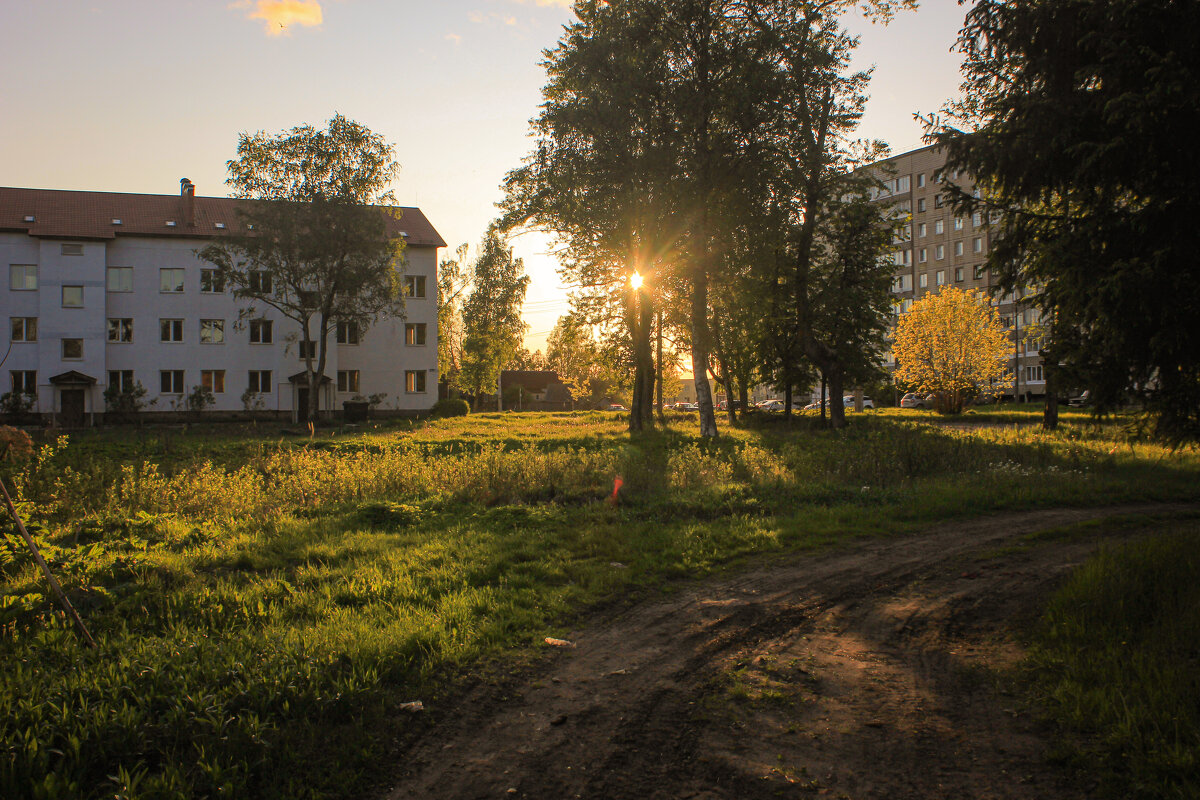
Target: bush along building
[
  {"x": 942, "y": 248},
  {"x": 111, "y": 311}
]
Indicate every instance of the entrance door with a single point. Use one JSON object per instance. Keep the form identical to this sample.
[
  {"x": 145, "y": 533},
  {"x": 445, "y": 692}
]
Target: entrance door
[
  {"x": 72, "y": 408},
  {"x": 301, "y": 404}
]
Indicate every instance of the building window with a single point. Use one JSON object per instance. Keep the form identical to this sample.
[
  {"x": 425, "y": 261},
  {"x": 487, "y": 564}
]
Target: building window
[
  {"x": 120, "y": 330},
  {"x": 923, "y": 256},
  {"x": 938, "y": 201},
  {"x": 414, "y": 285},
  {"x": 24, "y": 381},
  {"x": 212, "y": 331},
  {"x": 72, "y": 349},
  {"x": 72, "y": 296},
  {"x": 903, "y": 183},
  {"x": 941, "y": 277},
  {"x": 22, "y": 277},
  {"x": 921, "y": 204},
  {"x": 170, "y": 280},
  {"x": 120, "y": 279},
  {"x": 24, "y": 329},
  {"x": 977, "y": 244},
  {"x": 414, "y": 381},
  {"x": 213, "y": 380},
  {"x": 979, "y": 273},
  {"x": 170, "y": 330},
  {"x": 1033, "y": 373},
  {"x": 924, "y": 280},
  {"x": 260, "y": 281},
  {"x": 347, "y": 380},
  {"x": 121, "y": 380},
  {"x": 171, "y": 381},
  {"x": 906, "y": 305},
  {"x": 920, "y": 180},
  {"x": 308, "y": 298},
  {"x": 308, "y": 349},
  {"x": 72, "y": 250},
  {"x": 940, "y": 252},
  {"x": 939, "y": 226},
  {"x": 211, "y": 281},
  {"x": 260, "y": 381},
  {"x": 414, "y": 333},
  {"x": 977, "y": 219},
  {"x": 958, "y": 275},
  {"x": 261, "y": 331},
  {"x": 922, "y": 229},
  {"x": 958, "y": 248},
  {"x": 958, "y": 223},
  {"x": 347, "y": 333}
]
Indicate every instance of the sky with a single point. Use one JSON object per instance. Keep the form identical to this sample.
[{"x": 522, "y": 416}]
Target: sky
[{"x": 132, "y": 95}]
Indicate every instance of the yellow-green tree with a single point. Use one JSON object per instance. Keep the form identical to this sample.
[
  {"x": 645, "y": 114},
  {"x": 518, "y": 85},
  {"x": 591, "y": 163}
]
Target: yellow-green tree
[{"x": 953, "y": 344}]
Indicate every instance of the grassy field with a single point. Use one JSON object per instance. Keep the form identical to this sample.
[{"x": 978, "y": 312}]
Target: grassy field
[{"x": 264, "y": 602}]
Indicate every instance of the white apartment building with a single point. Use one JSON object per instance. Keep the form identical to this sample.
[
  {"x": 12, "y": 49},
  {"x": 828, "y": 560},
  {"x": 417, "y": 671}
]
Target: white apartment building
[
  {"x": 939, "y": 247},
  {"x": 107, "y": 289}
]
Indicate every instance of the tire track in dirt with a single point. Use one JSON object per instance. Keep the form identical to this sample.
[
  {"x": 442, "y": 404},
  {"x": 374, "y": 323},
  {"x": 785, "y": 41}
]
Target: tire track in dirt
[{"x": 857, "y": 673}]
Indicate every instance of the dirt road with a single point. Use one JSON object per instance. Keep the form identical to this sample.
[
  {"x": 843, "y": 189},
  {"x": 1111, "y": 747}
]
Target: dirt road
[{"x": 862, "y": 673}]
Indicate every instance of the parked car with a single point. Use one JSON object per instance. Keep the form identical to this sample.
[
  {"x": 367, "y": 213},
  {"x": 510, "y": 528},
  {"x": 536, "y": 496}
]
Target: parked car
[
  {"x": 914, "y": 400},
  {"x": 848, "y": 402},
  {"x": 775, "y": 406},
  {"x": 1084, "y": 399},
  {"x": 616, "y": 407}
]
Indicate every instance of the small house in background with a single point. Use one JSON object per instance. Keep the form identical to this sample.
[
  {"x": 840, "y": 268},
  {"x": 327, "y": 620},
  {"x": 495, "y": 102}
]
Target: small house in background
[{"x": 534, "y": 390}]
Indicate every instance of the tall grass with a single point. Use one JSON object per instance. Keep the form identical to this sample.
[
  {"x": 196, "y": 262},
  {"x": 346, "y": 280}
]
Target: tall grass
[
  {"x": 1118, "y": 661},
  {"x": 263, "y": 605}
]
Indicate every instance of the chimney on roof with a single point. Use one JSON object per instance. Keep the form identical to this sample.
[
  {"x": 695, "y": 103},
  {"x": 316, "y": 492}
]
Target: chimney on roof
[{"x": 187, "y": 191}]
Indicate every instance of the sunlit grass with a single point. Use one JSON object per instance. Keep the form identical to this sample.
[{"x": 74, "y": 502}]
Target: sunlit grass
[{"x": 264, "y": 602}]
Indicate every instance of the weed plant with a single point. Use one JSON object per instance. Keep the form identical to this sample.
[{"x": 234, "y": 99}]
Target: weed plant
[{"x": 264, "y": 603}]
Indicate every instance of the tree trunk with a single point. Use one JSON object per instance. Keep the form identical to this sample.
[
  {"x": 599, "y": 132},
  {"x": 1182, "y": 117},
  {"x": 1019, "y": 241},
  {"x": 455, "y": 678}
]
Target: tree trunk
[
  {"x": 724, "y": 379},
  {"x": 646, "y": 357},
  {"x": 824, "y": 396},
  {"x": 1050, "y": 371},
  {"x": 787, "y": 401},
  {"x": 708, "y": 420},
  {"x": 659, "y": 365},
  {"x": 837, "y": 409}
]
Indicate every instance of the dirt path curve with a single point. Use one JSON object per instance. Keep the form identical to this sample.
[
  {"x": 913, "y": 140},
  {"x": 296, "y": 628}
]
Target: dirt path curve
[{"x": 852, "y": 674}]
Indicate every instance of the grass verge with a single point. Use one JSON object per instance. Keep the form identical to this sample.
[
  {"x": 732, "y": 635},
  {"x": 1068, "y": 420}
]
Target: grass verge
[{"x": 1117, "y": 663}]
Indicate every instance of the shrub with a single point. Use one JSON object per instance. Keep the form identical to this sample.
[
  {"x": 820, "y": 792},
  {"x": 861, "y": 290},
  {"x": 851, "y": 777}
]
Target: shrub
[{"x": 451, "y": 407}]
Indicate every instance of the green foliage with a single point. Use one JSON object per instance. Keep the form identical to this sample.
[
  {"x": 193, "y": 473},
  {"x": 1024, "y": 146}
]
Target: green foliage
[
  {"x": 263, "y": 605},
  {"x": 199, "y": 399},
  {"x": 1073, "y": 113},
  {"x": 450, "y": 407},
  {"x": 1116, "y": 660},
  {"x": 16, "y": 404},
  {"x": 125, "y": 402},
  {"x": 491, "y": 315},
  {"x": 317, "y": 238}
]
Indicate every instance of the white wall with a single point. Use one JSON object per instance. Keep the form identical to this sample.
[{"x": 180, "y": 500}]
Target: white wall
[{"x": 381, "y": 355}]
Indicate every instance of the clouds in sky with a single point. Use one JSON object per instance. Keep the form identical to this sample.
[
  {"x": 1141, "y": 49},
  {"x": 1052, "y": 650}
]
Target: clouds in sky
[{"x": 279, "y": 16}]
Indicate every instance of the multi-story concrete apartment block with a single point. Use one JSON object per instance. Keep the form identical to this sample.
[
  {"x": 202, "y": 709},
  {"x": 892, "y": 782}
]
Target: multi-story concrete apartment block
[
  {"x": 107, "y": 289},
  {"x": 939, "y": 247}
]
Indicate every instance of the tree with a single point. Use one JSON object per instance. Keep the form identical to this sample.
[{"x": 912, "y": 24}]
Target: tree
[
  {"x": 953, "y": 344},
  {"x": 492, "y": 323},
  {"x": 453, "y": 279},
  {"x": 1071, "y": 121},
  {"x": 316, "y": 240}
]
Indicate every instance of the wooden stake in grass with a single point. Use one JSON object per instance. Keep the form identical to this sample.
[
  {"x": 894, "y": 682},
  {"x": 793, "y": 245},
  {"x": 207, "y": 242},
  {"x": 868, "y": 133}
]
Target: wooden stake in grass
[{"x": 37, "y": 556}]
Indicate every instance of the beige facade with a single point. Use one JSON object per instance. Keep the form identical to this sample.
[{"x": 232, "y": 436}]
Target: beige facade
[{"x": 941, "y": 248}]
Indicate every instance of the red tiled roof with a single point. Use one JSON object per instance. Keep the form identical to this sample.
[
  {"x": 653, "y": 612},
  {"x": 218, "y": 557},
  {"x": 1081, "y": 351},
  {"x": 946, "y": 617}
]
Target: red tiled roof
[{"x": 90, "y": 215}]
